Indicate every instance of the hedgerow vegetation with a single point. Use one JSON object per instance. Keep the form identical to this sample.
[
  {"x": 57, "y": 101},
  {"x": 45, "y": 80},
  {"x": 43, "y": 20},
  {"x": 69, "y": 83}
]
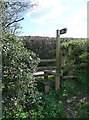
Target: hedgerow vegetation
[
  {"x": 19, "y": 87},
  {"x": 21, "y": 97}
]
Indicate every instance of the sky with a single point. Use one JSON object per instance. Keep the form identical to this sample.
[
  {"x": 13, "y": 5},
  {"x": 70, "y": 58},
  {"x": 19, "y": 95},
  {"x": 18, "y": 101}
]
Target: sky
[{"x": 51, "y": 15}]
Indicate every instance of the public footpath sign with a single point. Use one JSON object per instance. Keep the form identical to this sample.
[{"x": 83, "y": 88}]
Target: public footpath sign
[{"x": 63, "y": 31}]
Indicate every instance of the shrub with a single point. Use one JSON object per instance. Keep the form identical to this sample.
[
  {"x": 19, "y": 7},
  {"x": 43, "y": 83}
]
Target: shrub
[{"x": 19, "y": 86}]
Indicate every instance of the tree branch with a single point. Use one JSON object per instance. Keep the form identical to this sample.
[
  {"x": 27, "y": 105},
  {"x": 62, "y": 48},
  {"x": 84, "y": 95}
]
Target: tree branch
[{"x": 14, "y": 22}]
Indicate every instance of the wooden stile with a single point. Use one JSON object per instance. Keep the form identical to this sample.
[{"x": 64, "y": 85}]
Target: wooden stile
[{"x": 56, "y": 70}]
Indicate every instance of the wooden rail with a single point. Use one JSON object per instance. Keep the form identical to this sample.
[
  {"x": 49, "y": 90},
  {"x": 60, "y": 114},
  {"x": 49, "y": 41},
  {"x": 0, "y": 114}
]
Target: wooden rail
[
  {"x": 48, "y": 60},
  {"x": 42, "y": 68},
  {"x": 51, "y": 70},
  {"x": 75, "y": 66}
]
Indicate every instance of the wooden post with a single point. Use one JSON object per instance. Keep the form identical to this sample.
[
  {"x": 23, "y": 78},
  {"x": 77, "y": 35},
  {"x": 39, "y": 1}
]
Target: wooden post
[
  {"x": 70, "y": 72},
  {"x": 46, "y": 87},
  {"x": 58, "y": 61},
  {"x": 46, "y": 79}
]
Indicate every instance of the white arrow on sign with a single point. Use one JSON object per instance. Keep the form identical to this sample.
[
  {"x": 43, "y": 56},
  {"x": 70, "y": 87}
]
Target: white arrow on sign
[{"x": 63, "y": 31}]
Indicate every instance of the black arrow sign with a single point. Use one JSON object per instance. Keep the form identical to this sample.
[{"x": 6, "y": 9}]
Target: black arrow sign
[{"x": 63, "y": 31}]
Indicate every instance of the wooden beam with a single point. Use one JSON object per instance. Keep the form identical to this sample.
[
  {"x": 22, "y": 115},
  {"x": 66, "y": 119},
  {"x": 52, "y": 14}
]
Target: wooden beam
[
  {"x": 58, "y": 55},
  {"x": 50, "y": 72},
  {"x": 46, "y": 88},
  {"x": 68, "y": 77},
  {"x": 58, "y": 61},
  {"x": 48, "y": 60},
  {"x": 75, "y": 66},
  {"x": 46, "y": 79},
  {"x": 40, "y": 73},
  {"x": 46, "y": 68}
]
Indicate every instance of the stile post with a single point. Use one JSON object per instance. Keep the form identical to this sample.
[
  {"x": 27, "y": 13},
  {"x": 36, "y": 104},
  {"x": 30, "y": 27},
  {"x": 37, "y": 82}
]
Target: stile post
[
  {"x": 70, "y": 60},
  {"x": 58, "y": 61},
  {"x": 46, "y": 79},
  {"x": 46, "y": 88}
]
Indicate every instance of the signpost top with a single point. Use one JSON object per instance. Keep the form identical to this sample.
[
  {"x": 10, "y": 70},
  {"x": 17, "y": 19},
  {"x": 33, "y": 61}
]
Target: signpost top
[{"x": 62, "y": 31}]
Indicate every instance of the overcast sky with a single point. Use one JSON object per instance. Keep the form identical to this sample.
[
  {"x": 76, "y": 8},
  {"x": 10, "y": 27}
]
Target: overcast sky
[{"x": 56, "y": 14}]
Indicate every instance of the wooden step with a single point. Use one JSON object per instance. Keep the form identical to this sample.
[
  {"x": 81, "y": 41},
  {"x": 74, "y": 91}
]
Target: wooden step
[
  {"x": 50, "y": 72},
  {"x": 40, "y": 73}
]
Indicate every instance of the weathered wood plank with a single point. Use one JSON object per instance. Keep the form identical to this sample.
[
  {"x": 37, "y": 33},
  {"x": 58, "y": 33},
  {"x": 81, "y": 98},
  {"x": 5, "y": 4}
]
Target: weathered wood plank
[
  {"x": 74, "y": 66},
  {"x": 68, "y": 77},
  {"x": 45, "y": 68},
  {"x": 58, "y": 61},
  {"x": 40, "y": 73},
  {"x": 65, "y": 67},
  {"x": 48, "y": 60},
  {"x": 50, "y": 72},
  {"x": 47, "y": 88}
]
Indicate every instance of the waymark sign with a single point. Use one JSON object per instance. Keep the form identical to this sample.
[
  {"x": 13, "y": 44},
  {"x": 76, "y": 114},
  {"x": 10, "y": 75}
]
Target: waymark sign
[{"x": 63, "y": 31}]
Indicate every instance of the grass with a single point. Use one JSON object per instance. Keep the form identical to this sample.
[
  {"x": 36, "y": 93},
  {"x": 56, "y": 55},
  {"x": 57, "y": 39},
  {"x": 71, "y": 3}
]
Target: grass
[{"x": 72, "y": 100}]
